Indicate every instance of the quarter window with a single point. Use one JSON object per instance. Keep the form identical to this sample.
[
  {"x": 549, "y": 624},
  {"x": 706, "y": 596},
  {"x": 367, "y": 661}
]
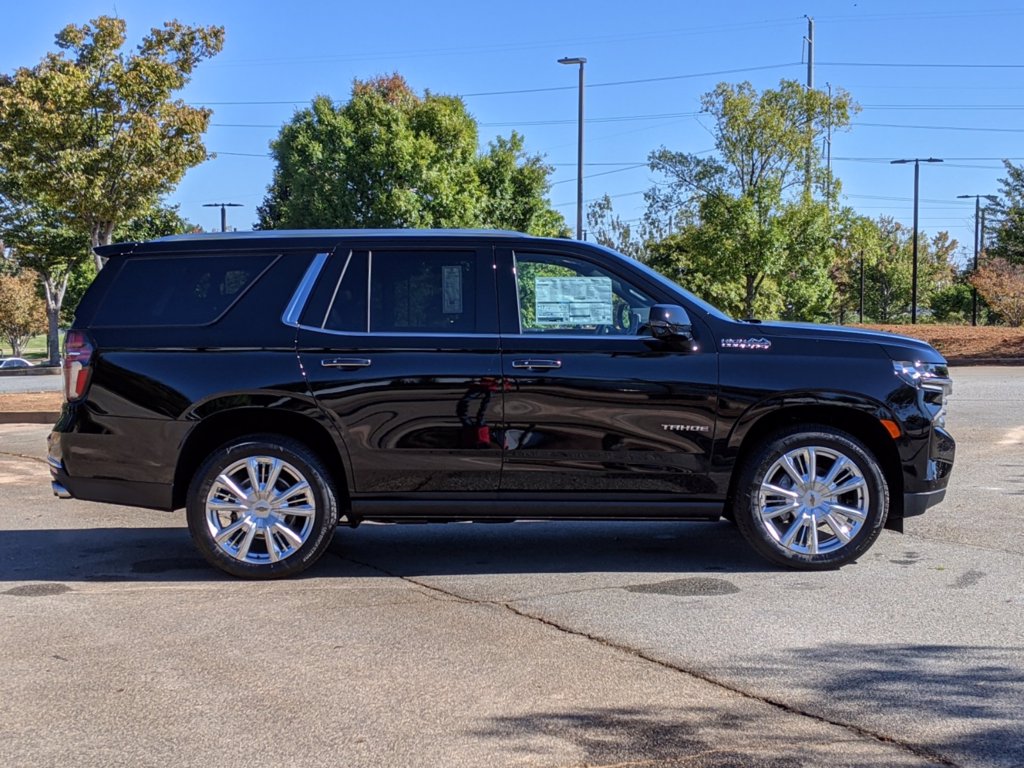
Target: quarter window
[{"x": 178, "y": 290}]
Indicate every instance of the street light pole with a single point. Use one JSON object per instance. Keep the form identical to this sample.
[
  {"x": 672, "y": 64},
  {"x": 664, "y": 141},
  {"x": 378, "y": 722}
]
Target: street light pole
[
  {"x": 979, "y": 234},
  {"x": 579, "y": 147},
  {"x": 917, "y": 177},
  {"x": 223, "y": 212}
]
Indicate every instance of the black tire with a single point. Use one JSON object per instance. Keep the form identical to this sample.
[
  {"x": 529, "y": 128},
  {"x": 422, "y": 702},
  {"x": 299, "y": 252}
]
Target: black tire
[
  {"x": 811, "y": 525},
  {"x": 266, "y": 533}
]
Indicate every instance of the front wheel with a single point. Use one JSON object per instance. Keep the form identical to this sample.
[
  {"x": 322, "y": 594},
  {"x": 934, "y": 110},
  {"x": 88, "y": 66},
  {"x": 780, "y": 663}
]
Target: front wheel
[
  {"x": 812, "y": 498},
  {"x": 262, "y": 507}
]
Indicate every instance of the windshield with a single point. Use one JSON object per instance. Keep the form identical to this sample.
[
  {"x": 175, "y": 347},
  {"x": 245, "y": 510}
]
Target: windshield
[{"x": 673, "y": 286}]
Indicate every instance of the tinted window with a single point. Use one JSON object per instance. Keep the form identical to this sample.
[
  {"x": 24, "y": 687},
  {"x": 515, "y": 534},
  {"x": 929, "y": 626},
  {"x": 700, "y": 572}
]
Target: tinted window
[
  {"x": 346, "y": 307},
  {"x": 562, "y": 294},
  {"x": 178, "y": 290},
  {"x": 423, "y": 292}
]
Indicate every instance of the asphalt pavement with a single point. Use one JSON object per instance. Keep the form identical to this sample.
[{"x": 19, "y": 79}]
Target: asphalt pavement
[
  {"x": 525, "y": 644},
  {"x": 35, "y": 382}
]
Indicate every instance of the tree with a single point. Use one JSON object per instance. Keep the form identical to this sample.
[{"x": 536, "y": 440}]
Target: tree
[
  {"x": 1001, "y": 283},
  {"x": 753, "y": 202},
  {"x": 1008, "y": 241},
  {"x": 95, "y": 132},
  {"x": 390, "y": 158},
  {"x": 21, "y": 311},
  {"x": 888, "y": 270},
  {"x": 633, "y": 238}
]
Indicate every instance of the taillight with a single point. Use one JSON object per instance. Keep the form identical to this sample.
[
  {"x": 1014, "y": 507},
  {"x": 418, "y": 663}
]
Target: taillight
[{"x": 77, "y": 356}]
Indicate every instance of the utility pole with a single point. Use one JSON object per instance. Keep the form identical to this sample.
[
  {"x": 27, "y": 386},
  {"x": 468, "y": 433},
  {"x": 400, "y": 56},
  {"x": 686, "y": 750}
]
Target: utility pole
[
  {"x": 979, "y": 236},
  {"x": 862, "y": 286},
  {"x": 810, "y": 52},
  {"x": 917, "y": 176},
  {"x": 223, "y": 212},
  {"x": 810, "y": 87},
  {"x": 579, "y": 147}
]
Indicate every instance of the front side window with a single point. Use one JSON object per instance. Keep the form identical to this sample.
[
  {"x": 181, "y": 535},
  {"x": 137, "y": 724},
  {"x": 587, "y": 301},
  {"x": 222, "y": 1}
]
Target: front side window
[
  {"x": 567, "y": 295},
  {"x": 423, "y": 292}
]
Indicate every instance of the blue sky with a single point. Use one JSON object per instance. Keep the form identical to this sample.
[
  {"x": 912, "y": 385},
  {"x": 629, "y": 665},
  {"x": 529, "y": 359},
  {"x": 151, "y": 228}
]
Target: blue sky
[{"x": 277, "y": 56}]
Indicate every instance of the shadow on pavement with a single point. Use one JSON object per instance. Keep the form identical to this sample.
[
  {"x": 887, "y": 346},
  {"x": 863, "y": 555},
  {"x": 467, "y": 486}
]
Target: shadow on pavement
[
  {"x": 902, "y": 689},
  {"x": 692, "y": 736},
  {"x": 167, "y": 554}
]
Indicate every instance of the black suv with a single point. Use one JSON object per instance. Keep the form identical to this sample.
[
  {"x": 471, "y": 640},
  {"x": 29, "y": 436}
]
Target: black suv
[{"x": 276, "y": 383}]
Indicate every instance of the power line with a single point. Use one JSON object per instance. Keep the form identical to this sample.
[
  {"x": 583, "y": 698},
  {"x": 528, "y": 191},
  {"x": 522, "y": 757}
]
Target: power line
[
  {"x": 518, "y": 123},
  {"x": 920, "y": 65},
  {"x": 939, "y": 127},
  {"x": 603, "y": 173},
  {"x": 636, "y": 82},
  {"x": 492, "y": 48},
  {"x": 666, "y": 78}
]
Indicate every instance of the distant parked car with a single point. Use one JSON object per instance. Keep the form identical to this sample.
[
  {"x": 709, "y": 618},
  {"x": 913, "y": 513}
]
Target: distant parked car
[{"x": 15, "y": 362}]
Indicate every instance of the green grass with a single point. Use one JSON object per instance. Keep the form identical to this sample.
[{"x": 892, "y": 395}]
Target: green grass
[{"x": 35, "y": 350}]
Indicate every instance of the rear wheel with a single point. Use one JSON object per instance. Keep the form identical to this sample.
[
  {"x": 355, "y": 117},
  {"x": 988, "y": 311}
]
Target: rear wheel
[
  {"x": 812, "y": 498},
  {"x": 262, "y": 507}
]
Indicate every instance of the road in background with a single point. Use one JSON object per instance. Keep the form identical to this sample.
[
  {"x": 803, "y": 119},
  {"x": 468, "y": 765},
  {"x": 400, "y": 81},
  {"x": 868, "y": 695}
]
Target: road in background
[
  {"x": 539, "y": 644},
  {"x": 43, "y": 382}
]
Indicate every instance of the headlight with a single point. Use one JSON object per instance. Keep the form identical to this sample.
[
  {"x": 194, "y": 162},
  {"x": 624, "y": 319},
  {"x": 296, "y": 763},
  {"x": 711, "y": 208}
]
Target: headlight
[
  {"x": 924, "y": 375},
  {"x": 934, "y": 382}
]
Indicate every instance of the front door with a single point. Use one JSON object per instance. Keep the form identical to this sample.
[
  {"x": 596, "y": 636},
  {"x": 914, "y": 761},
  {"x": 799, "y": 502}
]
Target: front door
[{"x": 594, "y": 405}]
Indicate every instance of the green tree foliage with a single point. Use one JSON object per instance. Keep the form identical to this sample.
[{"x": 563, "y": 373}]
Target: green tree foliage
[
  {"x": 1008, "y": 240},
  {"x": 954, "y": 303},
  {"x": 754, "y": 230},
  {"x": 21, "y": 311},
  {"x": 390, "y": 158},
  {"x": 96, "y": 132},
  {"x": 886, "y": 247}
]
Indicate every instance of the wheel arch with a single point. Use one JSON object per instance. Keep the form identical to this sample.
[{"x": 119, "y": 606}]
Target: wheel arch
[
  {"x": 862, "y": 420},
  {"x": 220, "y": 427}
]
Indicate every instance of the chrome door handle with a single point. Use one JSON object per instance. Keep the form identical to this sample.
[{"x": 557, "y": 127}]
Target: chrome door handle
[
  {"x": 345, "y": 362},
  {"x": 537, "y": 364}
]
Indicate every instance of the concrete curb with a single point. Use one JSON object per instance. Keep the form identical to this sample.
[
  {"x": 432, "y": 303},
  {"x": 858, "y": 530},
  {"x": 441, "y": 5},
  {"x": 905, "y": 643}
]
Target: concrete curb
[
  {"x": 985, "y": 361},
  {"x": 29, "y": 417},
  {"x": 37, "y": 370}
]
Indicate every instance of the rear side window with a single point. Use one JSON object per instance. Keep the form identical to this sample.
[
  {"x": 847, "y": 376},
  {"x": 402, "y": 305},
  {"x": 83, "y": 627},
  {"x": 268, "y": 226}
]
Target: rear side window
[
  {"x": 423, "y": 292},
  {"x": 178, "y": 290}
]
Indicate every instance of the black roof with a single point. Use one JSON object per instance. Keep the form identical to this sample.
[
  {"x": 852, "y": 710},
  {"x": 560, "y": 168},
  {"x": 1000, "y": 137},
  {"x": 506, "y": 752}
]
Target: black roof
[{"x": 301, "y": 238}]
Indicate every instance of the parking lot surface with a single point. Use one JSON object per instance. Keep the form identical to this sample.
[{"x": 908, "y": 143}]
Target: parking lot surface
[{"x": 533, "y": 644}]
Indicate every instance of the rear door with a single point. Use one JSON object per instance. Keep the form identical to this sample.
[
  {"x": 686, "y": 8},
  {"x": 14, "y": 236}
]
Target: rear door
[{"x": 400, "y": 347}]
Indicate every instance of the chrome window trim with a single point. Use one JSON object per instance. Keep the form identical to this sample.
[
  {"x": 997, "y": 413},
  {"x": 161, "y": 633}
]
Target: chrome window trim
[
  {"x": 369, "y": 288},
  {"x": 337, "y": 287},
  {"x": 293, "y": 311},
  {"x": 402, "y": 334}
]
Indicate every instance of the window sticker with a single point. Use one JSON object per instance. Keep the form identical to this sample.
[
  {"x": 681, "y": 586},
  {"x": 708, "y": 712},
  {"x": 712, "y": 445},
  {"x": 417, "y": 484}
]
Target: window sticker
[
  {"x": 451, "y": 289},
  {"x": 573, "y": 300}
]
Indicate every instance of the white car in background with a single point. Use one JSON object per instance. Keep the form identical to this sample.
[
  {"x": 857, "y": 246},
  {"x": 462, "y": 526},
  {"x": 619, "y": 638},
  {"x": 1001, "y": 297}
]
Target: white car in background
[{"x": 14, "y": 362}]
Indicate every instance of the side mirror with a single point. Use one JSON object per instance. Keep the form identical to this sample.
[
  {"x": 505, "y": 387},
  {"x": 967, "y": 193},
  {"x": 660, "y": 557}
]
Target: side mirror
[{"x": 669, "y": 322}]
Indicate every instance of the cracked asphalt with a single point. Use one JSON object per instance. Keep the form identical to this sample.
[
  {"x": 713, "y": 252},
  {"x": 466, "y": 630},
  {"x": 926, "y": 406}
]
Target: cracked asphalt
[{"x": 527, "y": 644}]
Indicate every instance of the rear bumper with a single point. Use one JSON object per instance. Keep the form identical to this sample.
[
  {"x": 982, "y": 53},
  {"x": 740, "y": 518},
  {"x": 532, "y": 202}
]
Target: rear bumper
[{"x": 133, "y": 494}]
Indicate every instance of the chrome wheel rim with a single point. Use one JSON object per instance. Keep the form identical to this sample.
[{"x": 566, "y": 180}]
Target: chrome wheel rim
[
  {"x": 260, "y": 510},
  {"x": 813, "y": 500}
]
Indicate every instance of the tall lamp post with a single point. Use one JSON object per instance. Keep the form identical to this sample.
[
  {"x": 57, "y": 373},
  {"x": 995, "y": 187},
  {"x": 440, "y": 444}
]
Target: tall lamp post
[
  {"x": 579, "y": 149},
  {"x": 917, "y": 175},
  {"x": 223, "y": 212},
  {"x": 977, "y": 245}
]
